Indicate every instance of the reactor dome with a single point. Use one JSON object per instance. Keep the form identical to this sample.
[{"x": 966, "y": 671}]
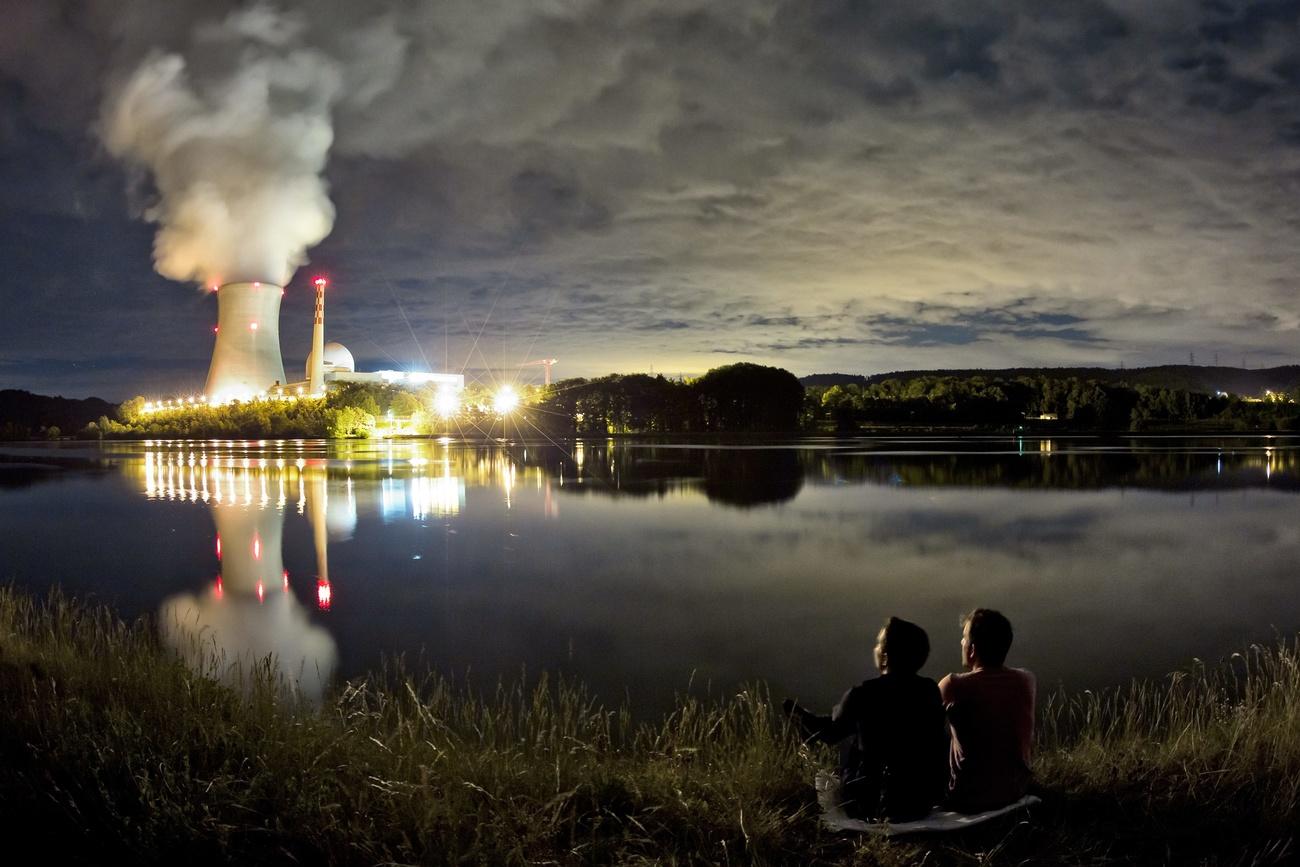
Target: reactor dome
[{"x": 335, "y": 358}]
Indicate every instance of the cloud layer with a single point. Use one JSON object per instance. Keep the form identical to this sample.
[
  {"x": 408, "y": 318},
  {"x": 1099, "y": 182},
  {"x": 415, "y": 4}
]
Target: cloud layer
[{"x": 829, "y": 185}]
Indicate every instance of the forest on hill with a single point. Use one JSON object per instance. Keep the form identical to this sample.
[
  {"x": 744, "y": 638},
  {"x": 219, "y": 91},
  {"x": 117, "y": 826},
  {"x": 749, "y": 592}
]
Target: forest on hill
[
  {"x": 24, "y": 415},
  {"x": 1203, "y": 379}
]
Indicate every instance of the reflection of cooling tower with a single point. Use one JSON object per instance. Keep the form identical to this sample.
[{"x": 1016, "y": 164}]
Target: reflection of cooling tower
[
  {"x": 251, "y": 614},
  {"x": 250, "y": 548},
  {"x": 246, "y": 359}
]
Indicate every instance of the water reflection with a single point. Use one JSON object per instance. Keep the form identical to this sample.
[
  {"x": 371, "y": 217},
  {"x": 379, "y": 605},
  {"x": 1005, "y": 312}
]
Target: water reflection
[
  {"x": 249, "y": 613},
  {"x": 420, "y": 479},
  {"x": 632, "y": 564}
]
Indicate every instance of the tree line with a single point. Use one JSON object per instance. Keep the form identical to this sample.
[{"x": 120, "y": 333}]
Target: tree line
[
  {"x": 739, "y": 398},
  {"x": 736, "y": 398},
  {"x": 1080, "y": 404}
]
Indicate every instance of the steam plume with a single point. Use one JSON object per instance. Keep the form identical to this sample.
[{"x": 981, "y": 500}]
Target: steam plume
[{"x": 235, "y": 136}]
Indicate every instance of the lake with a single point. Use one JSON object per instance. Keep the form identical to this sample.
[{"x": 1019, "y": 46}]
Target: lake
[{"x": 645, "y": 568}]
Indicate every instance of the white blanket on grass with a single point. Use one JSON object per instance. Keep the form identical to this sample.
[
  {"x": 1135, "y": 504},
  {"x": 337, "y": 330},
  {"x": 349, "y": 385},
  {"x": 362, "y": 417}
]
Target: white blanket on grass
[{"x": 836, "y": 819}]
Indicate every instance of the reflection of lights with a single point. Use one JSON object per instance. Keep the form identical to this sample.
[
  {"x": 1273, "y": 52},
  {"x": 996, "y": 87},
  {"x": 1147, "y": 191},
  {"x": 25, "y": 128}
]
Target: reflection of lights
[
  {"x": 440, "y": 496},
  {"x": 218, "y": 546},
  {"x": 506, "y": 400},
  {"x": 323, "y": 594},
  {"x": 261, "y": 591},
  {"x": 507, "y": 471},
  {"x": 218, "y": 591},
  {"x": 257, "y": 547},
  {"x": 392, "y": 498},
  {"x": 285, "y": 583}
]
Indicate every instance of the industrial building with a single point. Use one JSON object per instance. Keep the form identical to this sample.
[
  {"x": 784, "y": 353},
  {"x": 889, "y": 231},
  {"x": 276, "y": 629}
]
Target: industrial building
[{"x": 246, "y": 360}]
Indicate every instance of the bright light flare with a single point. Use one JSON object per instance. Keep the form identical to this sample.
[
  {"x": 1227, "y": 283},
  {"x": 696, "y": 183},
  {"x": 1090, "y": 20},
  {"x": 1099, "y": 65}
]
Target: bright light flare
[
  {"x": 506, "y": 400},
  {"x": 446, "y": 403},
  {"x": 323, "y": 594}
]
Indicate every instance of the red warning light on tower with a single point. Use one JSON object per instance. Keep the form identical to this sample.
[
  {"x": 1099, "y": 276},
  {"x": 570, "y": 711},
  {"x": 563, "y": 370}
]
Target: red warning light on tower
[{"x": 320, "y": 281}]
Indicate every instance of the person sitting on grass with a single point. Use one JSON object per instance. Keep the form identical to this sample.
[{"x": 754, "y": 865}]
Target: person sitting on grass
[
  {"x": 891, "y": 730},
  {"x": 991, "y": 714}
]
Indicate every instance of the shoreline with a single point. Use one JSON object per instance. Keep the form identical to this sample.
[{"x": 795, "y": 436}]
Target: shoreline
[
  {"x": 109, "y": 746},
  {"x": 920, "y": 432}
]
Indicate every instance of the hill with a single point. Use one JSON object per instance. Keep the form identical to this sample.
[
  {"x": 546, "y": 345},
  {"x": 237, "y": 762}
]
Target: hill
[
  {"x": 1183, "y": 377},
  {"x": 24, "y": 415},
  {"x": 826, "y": 380}
]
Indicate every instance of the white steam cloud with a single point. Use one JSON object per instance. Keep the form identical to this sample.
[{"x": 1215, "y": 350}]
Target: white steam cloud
[{"x": 235, "y": 136}]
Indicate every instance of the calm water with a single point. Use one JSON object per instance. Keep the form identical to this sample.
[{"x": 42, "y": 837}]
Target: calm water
[{"x": 635, "y": 565}]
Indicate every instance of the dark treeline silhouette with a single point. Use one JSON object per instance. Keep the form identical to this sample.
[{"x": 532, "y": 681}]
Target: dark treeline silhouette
[
  {"x": 25, "y": 416},
  {"x": 1080, "y": 404},
  {"x": 738, "y": 398},
  {"x": 1178, "y": 377}
]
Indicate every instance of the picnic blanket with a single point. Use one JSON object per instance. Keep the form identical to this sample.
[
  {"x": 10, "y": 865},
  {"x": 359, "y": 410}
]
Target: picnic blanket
[{"x": 836, "y": 819}]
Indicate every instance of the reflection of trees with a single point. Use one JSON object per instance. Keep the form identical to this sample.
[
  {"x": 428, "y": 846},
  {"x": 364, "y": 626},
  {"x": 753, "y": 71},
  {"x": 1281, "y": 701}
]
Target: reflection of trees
[
  {"x": 737, "y": 477},
  {"x": 429, "y": 478},
  {"x": 752, "y": 477},
  {"x": 1045, "y": 468}
]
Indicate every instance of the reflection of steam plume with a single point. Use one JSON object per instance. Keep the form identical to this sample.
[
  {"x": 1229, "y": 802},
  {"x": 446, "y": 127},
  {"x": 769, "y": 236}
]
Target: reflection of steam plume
[
  {"x": 250, "y": 615},
  {"x": 235, "y": 143}
]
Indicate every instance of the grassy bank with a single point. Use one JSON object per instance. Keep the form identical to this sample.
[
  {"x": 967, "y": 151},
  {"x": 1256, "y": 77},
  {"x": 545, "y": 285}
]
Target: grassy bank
[{"x": 110, "y": 749}]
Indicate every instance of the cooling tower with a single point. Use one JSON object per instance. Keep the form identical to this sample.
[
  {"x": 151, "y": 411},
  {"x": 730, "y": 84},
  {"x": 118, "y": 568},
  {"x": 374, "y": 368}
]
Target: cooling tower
[{"x": 246, "y": 359}]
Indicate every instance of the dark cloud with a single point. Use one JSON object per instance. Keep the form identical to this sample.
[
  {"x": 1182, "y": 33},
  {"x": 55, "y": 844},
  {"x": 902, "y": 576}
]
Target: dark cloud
[{"x": 829, "y": 185}]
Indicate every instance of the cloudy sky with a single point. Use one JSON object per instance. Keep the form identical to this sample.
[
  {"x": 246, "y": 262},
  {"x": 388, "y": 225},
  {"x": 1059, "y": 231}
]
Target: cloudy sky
[{"x": 674, "y": 185}]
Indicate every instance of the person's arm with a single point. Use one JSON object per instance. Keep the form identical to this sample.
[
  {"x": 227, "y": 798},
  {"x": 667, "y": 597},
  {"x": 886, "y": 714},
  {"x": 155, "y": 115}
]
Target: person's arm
[
  {"x": 949, "y": 692},
  {"x": 832, "y": 729}
]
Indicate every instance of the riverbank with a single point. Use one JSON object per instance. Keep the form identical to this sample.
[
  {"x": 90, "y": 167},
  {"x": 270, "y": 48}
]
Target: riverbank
[{"x": 111, "y": 750}]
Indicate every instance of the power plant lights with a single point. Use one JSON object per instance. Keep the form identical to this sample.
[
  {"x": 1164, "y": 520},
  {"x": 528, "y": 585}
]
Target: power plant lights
[{"x": 247, "y": 366}]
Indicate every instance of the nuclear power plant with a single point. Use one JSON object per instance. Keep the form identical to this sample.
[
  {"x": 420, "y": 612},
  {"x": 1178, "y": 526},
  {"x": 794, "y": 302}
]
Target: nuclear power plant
[
  {"x": 246, "y": 361},
  {"x": 246, "y": 357}
]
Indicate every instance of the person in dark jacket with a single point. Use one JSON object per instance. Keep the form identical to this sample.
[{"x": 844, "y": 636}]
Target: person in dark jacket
[{"x": 891, "y": 729}]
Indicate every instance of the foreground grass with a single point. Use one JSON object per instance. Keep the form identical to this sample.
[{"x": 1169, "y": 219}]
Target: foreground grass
[{"x": 112, "y": 750}]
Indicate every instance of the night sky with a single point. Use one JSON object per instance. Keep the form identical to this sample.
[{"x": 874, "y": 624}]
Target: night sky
[{"x": 627, "y": 186}]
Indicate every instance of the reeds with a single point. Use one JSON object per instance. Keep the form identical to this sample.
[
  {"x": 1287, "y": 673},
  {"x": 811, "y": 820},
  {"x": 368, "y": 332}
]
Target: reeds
[{"x": 112, "y": 749}]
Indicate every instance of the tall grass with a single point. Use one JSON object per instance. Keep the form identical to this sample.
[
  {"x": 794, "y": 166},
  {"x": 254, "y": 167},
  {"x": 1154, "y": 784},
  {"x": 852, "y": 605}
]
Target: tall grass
[
  {"x": 1208, "y": 758},
  {"x": 111, "y": 748}
]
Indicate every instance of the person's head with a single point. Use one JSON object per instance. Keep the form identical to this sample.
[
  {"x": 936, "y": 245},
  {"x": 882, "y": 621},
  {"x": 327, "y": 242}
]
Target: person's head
[
  {"x": 985, "y": 638},
  {"x": 901, "y": 647}
]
